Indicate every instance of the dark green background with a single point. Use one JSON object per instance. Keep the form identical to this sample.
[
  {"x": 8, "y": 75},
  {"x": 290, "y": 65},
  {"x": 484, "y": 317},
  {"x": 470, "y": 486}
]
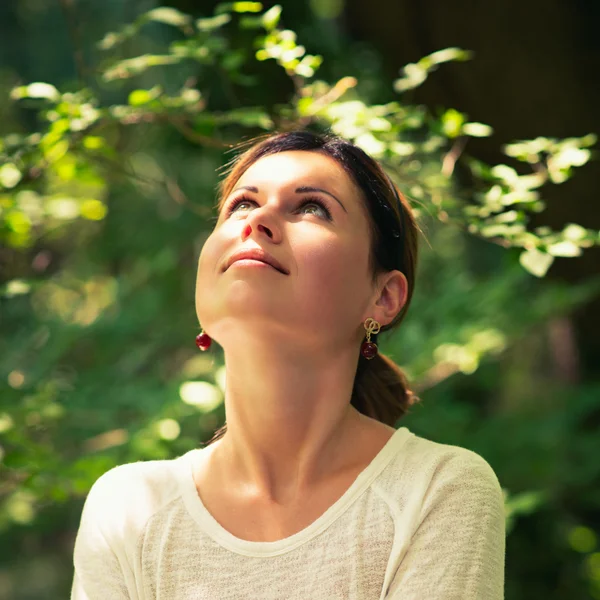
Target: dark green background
[{"x": 527, "y": 396}]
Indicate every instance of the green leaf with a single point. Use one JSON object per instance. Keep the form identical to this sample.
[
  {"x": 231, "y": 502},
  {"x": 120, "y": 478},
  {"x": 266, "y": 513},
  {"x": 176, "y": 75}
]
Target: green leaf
[
  {"x": 505, "y": 173},
  {"x": 238, "y": 7},
  {"x": 575, "y": 232},
  {"x": 271, "y": 18},
  {"x": 445, "y": 55},
  {"x": 416, "y": 73},
  {"x": 308, "y": 65},
  {"x": 250, "y": 117},
  {"x": 63, "y": 208},
  {"x": 110, "y": 40},
  {"x": 452, "y": 122},
  {"x": 565, "y": 248},
  {"x": 18, "y": 222},
  {"x": 522, "y": 504},
  {"x": 242, "y": 7},
  {"x": 559, "y": 165},
  {"x": 536, "y": 262},
  {"x": 370, "y": 144},
  {"x": 93, "y": 142},
  {"x": 16, "y": 287},
  {"x": 582, "y": 539},
  {"x": 93, "y": 209},
  {"x": 36, "y": 90},
  {"x": 508, "y": 217},
  {"x": 134, "y": 66},
  {"x": 169, "y": 16},
  {"x": 528, "y": 151},
  {"x": 163, "y": 14},
  {"x": 141, "y": 97},
  {"x": 212, "y": 23},
  {"x": 477, "y": 130},
  {"x": 520, "y": 197},
  {"x": 328, "y": 9},
  {"x": 55, "y": 151},
  {"x": 9, "y": 175},
  {"x": 500, "y": 230},
  {"x": 253, "y": 22},
  {"x": 414, "y": 76}
]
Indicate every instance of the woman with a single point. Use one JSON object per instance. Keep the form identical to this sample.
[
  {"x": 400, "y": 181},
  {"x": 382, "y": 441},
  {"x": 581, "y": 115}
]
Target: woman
[{"x": 309, "y": 492}]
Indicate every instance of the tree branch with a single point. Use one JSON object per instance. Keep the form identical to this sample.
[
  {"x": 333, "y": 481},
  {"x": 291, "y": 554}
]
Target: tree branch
[
  {"x": 453, "y": 155},
  {"x": 194, "y": 136}
]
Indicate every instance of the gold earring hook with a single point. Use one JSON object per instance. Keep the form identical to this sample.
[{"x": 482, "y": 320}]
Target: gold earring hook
[{"x": 372, "y": 327}]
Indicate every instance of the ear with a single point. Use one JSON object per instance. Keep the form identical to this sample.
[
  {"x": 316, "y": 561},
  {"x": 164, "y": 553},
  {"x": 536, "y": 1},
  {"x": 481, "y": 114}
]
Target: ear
[{"x": 390, "y": 296}]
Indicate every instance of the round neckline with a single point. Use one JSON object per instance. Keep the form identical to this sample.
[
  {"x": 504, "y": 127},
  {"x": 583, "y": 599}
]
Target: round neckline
[{"x": 219, "y": 534}]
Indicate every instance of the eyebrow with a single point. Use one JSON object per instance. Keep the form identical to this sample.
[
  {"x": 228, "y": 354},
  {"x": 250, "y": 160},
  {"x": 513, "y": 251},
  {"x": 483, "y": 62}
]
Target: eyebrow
[{"x": 301, "y": 190}]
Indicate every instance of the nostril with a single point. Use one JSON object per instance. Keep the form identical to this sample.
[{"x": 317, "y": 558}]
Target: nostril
[{"x": 268, "y": 231}]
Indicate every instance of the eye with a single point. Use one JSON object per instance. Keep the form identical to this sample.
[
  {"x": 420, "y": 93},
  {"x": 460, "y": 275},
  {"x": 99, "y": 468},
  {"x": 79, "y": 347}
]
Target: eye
[
  {"x": 311, "y": 201},
  {"x": 318, "y": 203},
  {"x": 235, "y": 203}
]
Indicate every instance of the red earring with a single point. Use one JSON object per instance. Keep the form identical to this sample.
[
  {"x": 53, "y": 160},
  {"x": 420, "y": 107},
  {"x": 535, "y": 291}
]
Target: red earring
[
  {"x": 203, "y": 341},
  {"x": 369, "y": 348}
]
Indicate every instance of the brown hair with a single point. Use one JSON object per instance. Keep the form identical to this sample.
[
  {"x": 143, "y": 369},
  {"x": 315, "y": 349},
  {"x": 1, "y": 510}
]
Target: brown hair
[{"x": 380, "y": 387}]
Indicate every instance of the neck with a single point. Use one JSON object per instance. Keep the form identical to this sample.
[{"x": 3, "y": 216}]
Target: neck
[{"x": 289, "y": 419}]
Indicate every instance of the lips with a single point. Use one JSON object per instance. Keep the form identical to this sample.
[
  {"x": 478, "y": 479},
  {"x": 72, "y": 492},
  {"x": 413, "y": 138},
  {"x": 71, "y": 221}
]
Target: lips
[{"x": 256, "y": 254}]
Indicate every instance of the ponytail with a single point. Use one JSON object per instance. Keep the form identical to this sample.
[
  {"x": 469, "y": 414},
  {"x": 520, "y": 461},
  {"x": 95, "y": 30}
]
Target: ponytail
[{"x": 381, "y": 390}]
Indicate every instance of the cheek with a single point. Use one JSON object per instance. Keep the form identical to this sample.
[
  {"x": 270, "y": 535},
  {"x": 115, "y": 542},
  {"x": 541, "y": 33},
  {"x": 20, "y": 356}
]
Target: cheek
[
  {"x": 335, "y": 265},
  {"x": 203, "y": 262},
  {"x": 206, "y": 271}
]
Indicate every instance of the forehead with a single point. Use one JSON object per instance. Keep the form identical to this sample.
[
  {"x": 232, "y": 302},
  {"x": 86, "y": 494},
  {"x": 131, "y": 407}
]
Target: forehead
[{"x": 298, "y": 168}]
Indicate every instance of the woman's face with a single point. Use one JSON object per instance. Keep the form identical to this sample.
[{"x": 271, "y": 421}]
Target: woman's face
[{"x": 319, "y": 235}]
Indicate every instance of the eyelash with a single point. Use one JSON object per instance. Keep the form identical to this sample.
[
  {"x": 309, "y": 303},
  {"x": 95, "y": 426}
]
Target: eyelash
[{"x": 304, "y": 202}]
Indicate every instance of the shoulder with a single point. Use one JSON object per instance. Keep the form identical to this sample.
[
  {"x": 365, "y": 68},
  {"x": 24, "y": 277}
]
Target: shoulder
[
  {"x": 447, "y": 462},
  {"x": 431, "y": 472},
  {"x": 137, "y": 478},
  {"x": 126, "y": 496},
  {"x": 114, "y": 517},
  {"x": 453, "y": 478},
  {"x": 451, "y": 514},
  {"x": 434, "y": 460}
]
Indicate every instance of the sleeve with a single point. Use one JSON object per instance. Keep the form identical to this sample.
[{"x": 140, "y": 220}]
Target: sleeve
[
  {"x": 457, "y": 550},
  {"x": 101, "y": 567}
]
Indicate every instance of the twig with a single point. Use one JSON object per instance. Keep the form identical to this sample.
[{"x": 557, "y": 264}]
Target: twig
[
  {"x": 169, "y": 184},
  {"x": 435, "y": 375},
  {"x": 338, "y": 90},
  {"x": 194, "y": 136},
  {"x": 453, "y": 155},
  {"x": 178, "y": 196}
]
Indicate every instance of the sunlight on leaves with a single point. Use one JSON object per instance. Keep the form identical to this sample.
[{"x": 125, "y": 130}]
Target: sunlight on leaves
[
  {"x": 169, "y": 16},
  {"x": 200, "y": 394},
  {"x": 536, "y": 262},
  {"x": 9, "y": 176},
  {"x": 36, "y": 90}
]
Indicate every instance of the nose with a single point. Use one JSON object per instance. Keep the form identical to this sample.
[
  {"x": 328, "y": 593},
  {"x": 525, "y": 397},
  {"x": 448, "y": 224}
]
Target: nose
[
  {"x": 261, "y": 224},
  {"x": 248, "y": 230}
]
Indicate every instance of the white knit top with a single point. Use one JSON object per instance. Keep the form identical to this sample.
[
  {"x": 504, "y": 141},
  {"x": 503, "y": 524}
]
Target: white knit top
[{"x": 423, "y": 521}]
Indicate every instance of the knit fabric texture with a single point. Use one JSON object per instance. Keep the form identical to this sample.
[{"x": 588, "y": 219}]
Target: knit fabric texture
[{"x": 423, "y": 521}]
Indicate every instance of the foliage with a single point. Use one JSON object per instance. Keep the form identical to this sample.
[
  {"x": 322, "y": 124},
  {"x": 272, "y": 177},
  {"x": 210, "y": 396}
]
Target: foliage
[
  {"x": 105, "y": 202},
  {"x": 75, "y": 131}
]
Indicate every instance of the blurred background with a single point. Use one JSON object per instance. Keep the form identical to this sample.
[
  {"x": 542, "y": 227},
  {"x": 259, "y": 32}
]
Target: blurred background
[{"x": 115, "y": 118}]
